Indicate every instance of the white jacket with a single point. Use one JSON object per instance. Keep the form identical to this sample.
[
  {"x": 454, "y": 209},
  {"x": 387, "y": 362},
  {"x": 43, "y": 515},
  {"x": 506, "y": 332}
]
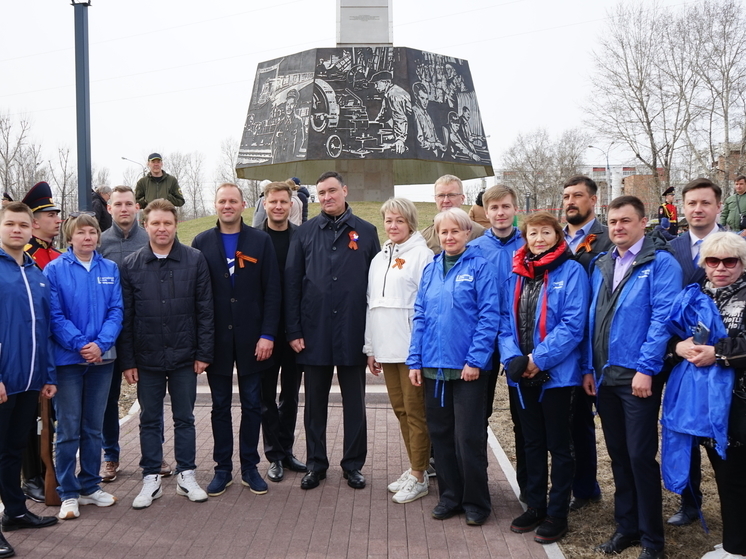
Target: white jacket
[{"x": 393, "y": 280}]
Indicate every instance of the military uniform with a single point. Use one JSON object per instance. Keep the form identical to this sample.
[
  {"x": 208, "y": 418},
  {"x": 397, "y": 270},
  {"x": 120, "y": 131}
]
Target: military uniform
[{"x": 41, "y": 252}]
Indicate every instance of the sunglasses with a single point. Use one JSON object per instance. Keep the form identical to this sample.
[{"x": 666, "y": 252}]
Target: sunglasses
[{"x": 713, "y": 262}]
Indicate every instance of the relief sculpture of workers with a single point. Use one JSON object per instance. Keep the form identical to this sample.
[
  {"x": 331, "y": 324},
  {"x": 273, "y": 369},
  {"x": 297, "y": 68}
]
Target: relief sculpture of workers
[
  {"x": 427, "y": 138},
  {"x": 289, "y": 134},
  {"x": 395, "y": 108}
]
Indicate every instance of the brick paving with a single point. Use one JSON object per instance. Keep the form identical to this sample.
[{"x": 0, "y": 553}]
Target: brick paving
[{"x": 332, "y": 521}]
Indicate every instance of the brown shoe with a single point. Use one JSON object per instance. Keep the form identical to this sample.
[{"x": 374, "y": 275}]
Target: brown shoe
[
  {"x": 109, "y": 471},
  {"x": 166, "y": 469}
]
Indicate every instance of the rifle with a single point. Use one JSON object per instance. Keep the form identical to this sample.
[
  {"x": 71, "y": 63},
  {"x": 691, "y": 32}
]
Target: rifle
[{"x": 51, "y": 498}]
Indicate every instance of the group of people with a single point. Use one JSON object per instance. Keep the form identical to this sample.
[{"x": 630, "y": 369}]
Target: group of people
[{"x": 576, "y": 316}]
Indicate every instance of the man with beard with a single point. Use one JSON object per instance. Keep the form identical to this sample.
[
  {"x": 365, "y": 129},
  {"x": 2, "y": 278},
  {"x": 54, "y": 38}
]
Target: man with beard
[{"x": 587, "y": 238}]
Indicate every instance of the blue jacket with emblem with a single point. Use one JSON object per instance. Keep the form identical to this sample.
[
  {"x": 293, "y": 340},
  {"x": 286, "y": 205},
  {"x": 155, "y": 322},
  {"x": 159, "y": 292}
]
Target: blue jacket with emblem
[
  {"x": 86, "y": 305},
  {"x": 638, "y": 334},
  {"x": 560, "y": 353},
  {"x": 24, "y": 315},
  {"x": 498, "y": 252},
  {"x": 456, "y": 316}
]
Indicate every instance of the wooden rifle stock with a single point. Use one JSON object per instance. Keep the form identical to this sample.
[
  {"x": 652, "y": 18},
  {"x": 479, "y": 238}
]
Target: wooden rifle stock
[{"x": 51, "y": 498}]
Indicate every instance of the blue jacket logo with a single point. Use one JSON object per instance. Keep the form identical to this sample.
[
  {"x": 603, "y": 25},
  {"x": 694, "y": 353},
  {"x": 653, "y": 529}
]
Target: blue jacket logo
[
  {"x": 558, "y": 284},
  {"x": 644, "y": 274},
  {"x": 106, "y": 280},
  {"x": 465, "y": 277}
]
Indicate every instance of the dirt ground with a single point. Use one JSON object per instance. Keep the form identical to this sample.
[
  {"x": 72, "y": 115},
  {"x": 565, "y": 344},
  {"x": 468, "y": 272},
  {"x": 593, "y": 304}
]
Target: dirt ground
[{"x": 595, "y": 523}]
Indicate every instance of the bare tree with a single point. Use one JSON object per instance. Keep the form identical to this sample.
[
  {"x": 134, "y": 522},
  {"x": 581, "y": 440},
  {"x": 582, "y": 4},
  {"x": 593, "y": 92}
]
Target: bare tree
[
  {"x": 130, "y": 176},
  {"x": 64, "y": 180},
  {"x": 13, "y": 139},
  {"x": 192, "y": 184},
  {"x": 101, "y": 177},
  {"x": 226, "y": 171},
  {"x": 635, "y": 99},
  {"x": 537, "y": 166}
]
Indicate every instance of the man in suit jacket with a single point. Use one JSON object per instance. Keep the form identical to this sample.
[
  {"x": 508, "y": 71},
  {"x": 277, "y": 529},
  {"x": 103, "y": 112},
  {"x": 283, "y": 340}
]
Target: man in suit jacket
[
  {"x": 246, "y": 295},
  {"x": 702, "y": 199},
  {"x": 587, "y": 238},
  {"x": 326, "y": 280}
]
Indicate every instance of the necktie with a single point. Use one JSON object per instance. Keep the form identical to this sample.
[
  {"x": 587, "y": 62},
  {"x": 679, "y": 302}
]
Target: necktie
[{"x": 696, "y": 253}]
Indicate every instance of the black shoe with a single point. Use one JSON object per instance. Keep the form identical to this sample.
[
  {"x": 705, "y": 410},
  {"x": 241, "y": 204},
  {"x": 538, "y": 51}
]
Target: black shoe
[
  {"x": 442, "y": 512},
  {"x": 551, "y": 530},
  {"x": 312, "y": 479},
  {"x": 354, "y": 478},
  {"x": 34, "y": 489},
  {"x": 684, "y": 516},
  {"x": 476, "y": 519},
  {"x": 528, "y": 520},
  {"x": 617, "y": 543},
  {"x": 275, "y": 472},
  {"x": 649, "y": 553},
  {"x": 28, "y": 520},
  {"x": 6, "y": 550},
  {"x": 293, "y": 464},
  {"x": 578, "y": 503}
]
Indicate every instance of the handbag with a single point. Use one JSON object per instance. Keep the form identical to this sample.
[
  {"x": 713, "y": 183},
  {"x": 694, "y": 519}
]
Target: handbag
[{"x": 741, "y": 216}]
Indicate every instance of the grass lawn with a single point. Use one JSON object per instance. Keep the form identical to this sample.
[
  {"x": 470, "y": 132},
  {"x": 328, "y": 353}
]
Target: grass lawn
[{"x": 369, "y": 211}]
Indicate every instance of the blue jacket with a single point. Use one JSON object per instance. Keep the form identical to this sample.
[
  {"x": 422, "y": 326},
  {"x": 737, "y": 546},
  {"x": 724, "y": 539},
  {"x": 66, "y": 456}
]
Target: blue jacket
[
  {"x": 24, "y": 316},
  {"x": 697, "y": 400},
  {"x": 638, "y": 334},
  {"x": 567, "y": 309},
  {"x": 498, "y": 253},
  {"x": 456, "y": 317},
  {"x": 86, "y": 306}
]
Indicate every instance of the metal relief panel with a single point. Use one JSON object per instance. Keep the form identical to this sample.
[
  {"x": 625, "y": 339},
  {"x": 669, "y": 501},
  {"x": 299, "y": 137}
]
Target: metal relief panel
[{"x": 364, "y": 103}]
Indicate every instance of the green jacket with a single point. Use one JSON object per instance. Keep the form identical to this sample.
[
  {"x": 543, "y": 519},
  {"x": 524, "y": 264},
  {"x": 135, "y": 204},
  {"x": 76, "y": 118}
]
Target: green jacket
[
  {"x": 150, "y": 188},
  {"x": 731, "y": 217}
]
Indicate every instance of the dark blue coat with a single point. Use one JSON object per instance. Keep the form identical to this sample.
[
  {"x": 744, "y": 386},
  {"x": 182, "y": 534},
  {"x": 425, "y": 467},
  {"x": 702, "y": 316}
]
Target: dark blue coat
[
  {"x": 326, "y": 280},
  {"x": 249, "y": 307}
]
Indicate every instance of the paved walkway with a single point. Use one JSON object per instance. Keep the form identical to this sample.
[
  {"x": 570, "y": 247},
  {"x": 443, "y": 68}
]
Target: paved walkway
[{"x": 332, "y": 521}]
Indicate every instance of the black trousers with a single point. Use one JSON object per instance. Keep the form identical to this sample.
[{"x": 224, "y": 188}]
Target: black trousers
[
  {"x": 730, "y": 475},
  {"x": 318, "y": 383},
  {"x": 546, "y": 428},
  {"x": 520, "y": 450},
  {"x": 278, "y": 419},
  {"x": 458, "y": 437},
  {"x": 585, "y": 484},
  {"x": 630, "y": 426},
  {"x": 17, "y": 420}
]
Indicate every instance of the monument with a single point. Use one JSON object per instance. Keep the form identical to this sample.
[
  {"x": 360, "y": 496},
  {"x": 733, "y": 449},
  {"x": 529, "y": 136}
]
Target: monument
[{"x": 379, "y": 115}]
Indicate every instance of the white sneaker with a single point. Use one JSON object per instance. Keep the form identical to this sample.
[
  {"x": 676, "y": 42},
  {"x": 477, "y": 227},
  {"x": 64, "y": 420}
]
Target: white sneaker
[
  {"x": 188, "y": 486},
  {"x": 720, "y": 553},
  {"x": 151, "y": 489},
  {"x": 411, "y": 491},
  {"x": 69, "y": 509},
  {"x": 98, "y": 498},
  {"x": 399, "y": 483}
]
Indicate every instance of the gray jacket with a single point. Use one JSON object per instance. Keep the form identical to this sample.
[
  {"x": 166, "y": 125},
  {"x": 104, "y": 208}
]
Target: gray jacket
[{"x": 116, "y": 246}]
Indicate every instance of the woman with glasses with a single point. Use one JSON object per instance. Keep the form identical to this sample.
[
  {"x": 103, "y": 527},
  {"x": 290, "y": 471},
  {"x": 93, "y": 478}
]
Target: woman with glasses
[
  {"x": 86, "y": 318},
  {"x": 723, "y": 257}
]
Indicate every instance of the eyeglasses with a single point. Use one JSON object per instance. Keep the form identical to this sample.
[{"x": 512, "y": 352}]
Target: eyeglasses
[
  {"x": 450, "y": 196},
  {"x": 730, "y": 262},
  {"x": 82, "y": 212}
]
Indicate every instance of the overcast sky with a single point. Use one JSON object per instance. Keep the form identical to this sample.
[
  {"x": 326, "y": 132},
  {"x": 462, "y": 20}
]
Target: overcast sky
[{"x": 172, "y": 75}]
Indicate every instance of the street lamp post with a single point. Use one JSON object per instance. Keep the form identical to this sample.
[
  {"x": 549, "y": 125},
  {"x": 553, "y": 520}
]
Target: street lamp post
[
  {"x": 609, "y": 195},
  {"x": 83, "y": 104}
]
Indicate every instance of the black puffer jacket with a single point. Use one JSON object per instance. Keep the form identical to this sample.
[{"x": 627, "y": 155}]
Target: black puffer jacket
[{"x": 168, "y": 311}]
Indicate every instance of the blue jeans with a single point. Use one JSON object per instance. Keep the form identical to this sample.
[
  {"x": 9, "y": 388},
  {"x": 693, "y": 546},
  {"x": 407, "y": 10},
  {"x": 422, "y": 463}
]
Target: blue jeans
[
  {"x": 249, "y": 390},
  {"x": 80, "y": 402},
  {"x": 151, "y": 390}
]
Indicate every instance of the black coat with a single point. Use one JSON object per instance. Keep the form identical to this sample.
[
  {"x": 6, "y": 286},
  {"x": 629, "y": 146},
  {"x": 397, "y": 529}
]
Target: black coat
[
  {"x": 600, "y": 244},
  {"x": 168, "y": 313},
  {"x": 249, "y": 307},
  {"x": 325, "y": 288},
  {"x": 102, "y": 213}
]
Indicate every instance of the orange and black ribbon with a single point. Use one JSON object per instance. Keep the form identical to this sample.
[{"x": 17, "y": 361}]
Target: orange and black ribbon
[
  {"x": 398, "y": 263},
  {"x": 353, "y": 240},
  {"x": 586, "y": 244},
  {"x": 241, "y": 257}
]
